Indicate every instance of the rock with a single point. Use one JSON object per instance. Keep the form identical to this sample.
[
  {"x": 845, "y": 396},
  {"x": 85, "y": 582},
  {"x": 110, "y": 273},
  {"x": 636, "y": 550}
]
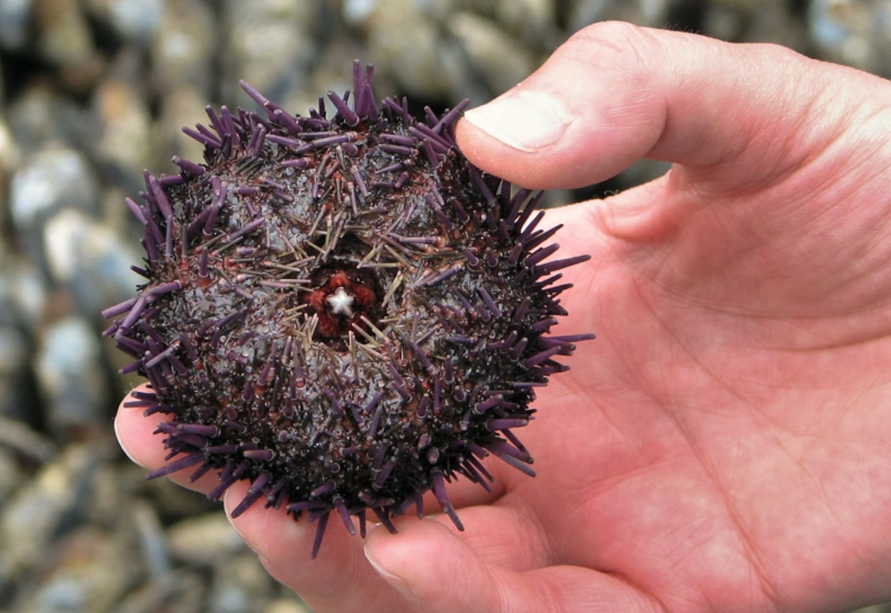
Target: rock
[
  {"x": 773, "y": 23},
  {"x": 178, "y": 592},
  {"x": 11, "y": 477},
  {"x": 10, "y": 158},
  {"x": 71, "y": 379},
  {"x": 122, "y": 123},
  {"x": 182, "y": 106},
  {"x": 151, "y": 538},
  {"x": 23, "y": 294},
  {"x": 286, "y": 605},
  {"x": 853, "y": 32},
  {"x": 41, "y": 114},
  {"x": 271, "y": 44},
  {"x": 744, "y": 6},
  {"x": 640, "y": 12},
  {"x": 723, "y": 23},
  {"x": 65, "y": 41},
  {"x": 490, "y": 52},
  {"x": 184, "y": 47},
  {"x": 55, "y": 178},
  {"x": 405, "y": 40},
  {"x": 240, "y": 583},
  {"x": 46, "y": 507},
  {"x": 204, "y": 540},
  {"x": 89, "y": 260},
  {"x": 531, "y": 21},
  {"x": 18, "y": 400},
  {"x": 30, "y": 446},
  {"x": 15, "y": 22},
  {"x": 135, "y": 21},
  {"x": 87, "y": 571}
]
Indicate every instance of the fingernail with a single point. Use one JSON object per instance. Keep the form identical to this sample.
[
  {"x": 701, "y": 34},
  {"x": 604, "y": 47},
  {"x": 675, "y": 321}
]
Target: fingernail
[
  {"x": 524, "y": 120},
  {"x": 398, "y": 583}
]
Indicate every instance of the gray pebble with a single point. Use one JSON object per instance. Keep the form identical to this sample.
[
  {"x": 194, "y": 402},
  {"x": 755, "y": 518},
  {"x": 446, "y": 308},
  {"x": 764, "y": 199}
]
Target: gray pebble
[
  {"x": 55, "y": 178},
  {"x": 134, "y": 20},
  {"x": 23, "y": 293},
  {"x": 853, "y": 32},
  {"x": 532, "y": 22},
  {"x": 11, "y": 475},
  {"x": 65, "y": 41},
  {"x": 185, "y": 46},
  {"x": 490, "y": 52},
  {"x": 46, "y": 507},
  {"x": 639, "y": 12},
  {"x": 18, "y": 400},
  {"x": 89, "y": 260},
  {"x": 204, "y": 540},
  {"x": 151, "y": 538},
  {"x": 182, "y": 106},
  {"x": 773, "y": 23},
  {"x": 178, "y": 592},
  {"x": 238, "y": 584},
  {"x": 41, "y": 114},
  {"x": 744, "y": 6},
  {"x": 88, "y": 572},
  {"x": 30, "y": 446},
  {"x": 405, "y": 39},
  {"x": 15, "y": 21},
  {"x": 71, "y": 378},
  {"x": 286, "y": 605},
  {"x": 10, "y": 155},
  {"x": 271, "y": 44},
  {"x": 723, "y": 23},
  {"x": 121, "y": 124}
]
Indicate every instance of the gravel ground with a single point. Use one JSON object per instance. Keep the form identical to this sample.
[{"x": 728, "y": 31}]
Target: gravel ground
[{"x": 94, "y": 91}]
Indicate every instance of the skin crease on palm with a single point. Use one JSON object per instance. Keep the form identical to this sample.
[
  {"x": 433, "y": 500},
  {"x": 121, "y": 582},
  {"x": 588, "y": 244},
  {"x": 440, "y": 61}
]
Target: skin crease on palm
[{"x": 725, "y": 443}]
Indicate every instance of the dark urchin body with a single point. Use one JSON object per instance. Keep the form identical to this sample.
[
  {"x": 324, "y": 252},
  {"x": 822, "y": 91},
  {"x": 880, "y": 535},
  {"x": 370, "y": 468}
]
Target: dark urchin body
[{"x": 341, "y": 309}]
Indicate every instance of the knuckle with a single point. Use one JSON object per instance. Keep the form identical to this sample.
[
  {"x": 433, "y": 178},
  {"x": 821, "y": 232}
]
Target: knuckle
[{"x": 613, "y": 42}]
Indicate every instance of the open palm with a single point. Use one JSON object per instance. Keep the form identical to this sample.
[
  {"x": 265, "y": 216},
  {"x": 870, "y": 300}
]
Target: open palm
[{"x": 725, "y": 444}]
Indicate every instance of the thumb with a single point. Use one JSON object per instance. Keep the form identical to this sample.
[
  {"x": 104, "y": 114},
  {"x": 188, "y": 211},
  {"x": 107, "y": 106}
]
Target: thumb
[
  {"x": 437, "y": 572},
  {"x": 614, "y": 93}
]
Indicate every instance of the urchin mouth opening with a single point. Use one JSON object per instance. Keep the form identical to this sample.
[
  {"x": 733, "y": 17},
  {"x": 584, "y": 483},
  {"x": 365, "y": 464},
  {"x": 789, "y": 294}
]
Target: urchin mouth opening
[{"x": 344, "y": 298}]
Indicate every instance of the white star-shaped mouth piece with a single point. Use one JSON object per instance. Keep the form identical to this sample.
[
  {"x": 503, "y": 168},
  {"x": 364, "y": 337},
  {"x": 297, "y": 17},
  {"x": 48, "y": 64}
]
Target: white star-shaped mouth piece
[{"x": 341, "y": 303}]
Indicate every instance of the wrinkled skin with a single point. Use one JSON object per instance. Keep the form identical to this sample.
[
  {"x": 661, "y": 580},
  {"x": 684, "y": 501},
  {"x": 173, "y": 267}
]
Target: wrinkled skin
[{"x": 725, "y": 443}]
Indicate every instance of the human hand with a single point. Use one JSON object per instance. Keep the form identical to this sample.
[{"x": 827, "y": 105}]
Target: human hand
[{"x": 724, "y": 444}]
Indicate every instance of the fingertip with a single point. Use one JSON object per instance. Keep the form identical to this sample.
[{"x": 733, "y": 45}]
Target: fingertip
[
  {"x": 382, "y": 561},
  {"x": 432, "y": 567},
  {"x": 135, "y": 433},
  {"x": 137, "y": 436},
  {"x": 526, "y": 120},
  {"x": 267, "y": 531},
  {"x": 509, "y": 135},
  {"x": 588, "y": 112},
  {"x": 339, "y": 578}
]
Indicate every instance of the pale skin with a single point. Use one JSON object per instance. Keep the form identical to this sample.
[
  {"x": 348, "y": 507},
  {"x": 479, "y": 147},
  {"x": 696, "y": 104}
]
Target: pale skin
[{"x": 725, "y": 443}]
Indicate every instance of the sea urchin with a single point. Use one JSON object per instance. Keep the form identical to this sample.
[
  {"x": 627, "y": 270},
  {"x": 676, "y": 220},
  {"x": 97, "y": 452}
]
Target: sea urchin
[{"x": 340, "y": 309}]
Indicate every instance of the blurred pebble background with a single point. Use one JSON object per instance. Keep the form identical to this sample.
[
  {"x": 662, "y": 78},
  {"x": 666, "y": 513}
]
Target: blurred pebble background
[{"x": 94, "y": 91}]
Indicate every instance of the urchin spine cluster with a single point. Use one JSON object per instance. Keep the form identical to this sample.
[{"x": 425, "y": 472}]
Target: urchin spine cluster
[{"x": 341, "y": 310}]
